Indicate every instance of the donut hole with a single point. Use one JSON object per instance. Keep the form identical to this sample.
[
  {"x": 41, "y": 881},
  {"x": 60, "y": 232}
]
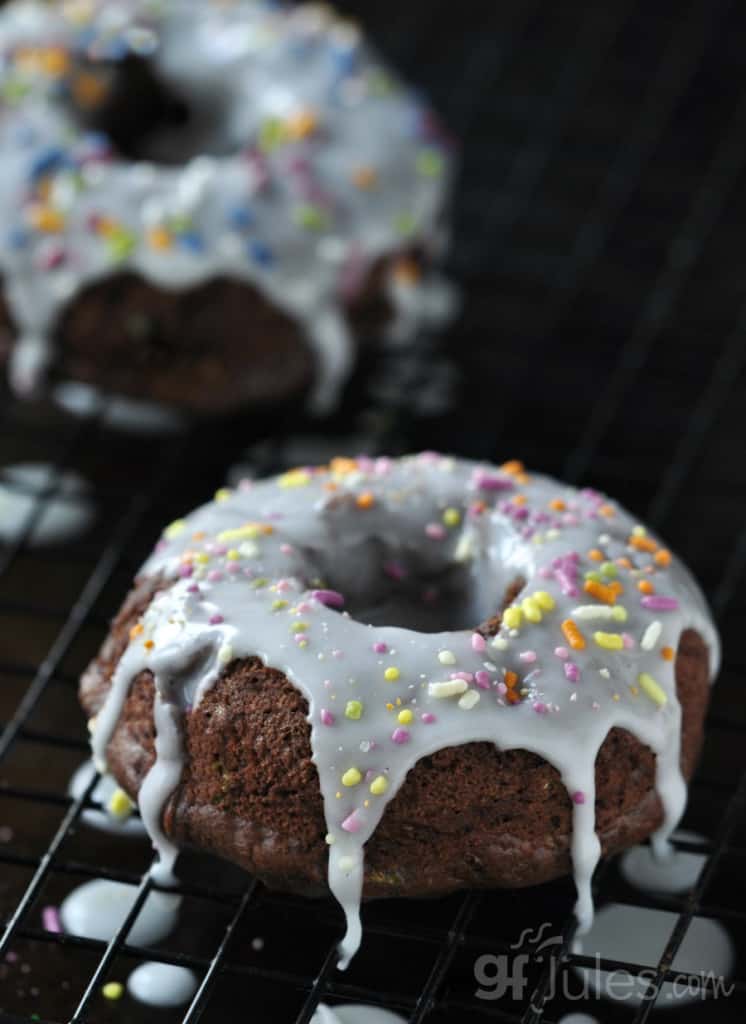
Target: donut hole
[{"x": 145, "y": 117}]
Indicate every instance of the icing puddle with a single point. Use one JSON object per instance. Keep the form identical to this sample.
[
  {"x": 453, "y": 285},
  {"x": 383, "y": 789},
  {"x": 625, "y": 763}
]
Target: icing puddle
[
  {"x": 66, "y": 514},
  {"x": 587, "y": 644}
]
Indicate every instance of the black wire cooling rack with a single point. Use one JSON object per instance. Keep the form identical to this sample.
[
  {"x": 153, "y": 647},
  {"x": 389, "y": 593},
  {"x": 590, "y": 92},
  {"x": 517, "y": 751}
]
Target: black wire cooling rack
[{"x": 598, "y": 238}]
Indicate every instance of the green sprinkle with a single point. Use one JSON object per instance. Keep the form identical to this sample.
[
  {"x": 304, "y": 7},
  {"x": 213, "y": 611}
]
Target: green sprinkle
[
  {"x": 311, "y": 217},
  {"x": 299, "y": 627},
  {"x": 595, "y": 576},
  {"x": 609, "y": 570},
  {"x": 354, "y": 709},
  {"x": 405, "y": 224},
  {"x": 259, "y": 583},
  {"x": 429, "y": 163},
  {"x": 272, "y": 134},
  {"x": 279, "y": 604}
]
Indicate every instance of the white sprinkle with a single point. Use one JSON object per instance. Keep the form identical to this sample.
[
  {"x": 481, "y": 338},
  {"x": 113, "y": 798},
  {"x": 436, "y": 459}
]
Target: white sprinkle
[
  {"x": 605, "y": 673},
  {"x": 604, "y": 538},
  {"x": 469, "y": 699},
  {"x": 489, "y": 666},
  {"x": 592, "y": 611},
  {"x": 329, "y": 838},
  {"x": 225, "y": 654},
  {"x": 448, "y": 689},
  {"x": 552, "y": 534},
  {"x": 464, "y": 549},
  {"x": 651, "y": 636},
  {"x": 500, "y": 643},
  {"x": 347, "y": 864},
  {"x": 447, "y": 658}
]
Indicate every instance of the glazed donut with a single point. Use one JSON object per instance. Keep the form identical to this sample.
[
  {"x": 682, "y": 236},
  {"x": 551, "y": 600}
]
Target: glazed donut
[
  {"x": 150, "y": 148},
  {"x": 307, "y": 650}
]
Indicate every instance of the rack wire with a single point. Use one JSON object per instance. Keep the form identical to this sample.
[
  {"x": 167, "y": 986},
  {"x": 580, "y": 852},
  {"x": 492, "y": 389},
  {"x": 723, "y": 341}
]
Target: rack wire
[{"x": 598, "y": 241}]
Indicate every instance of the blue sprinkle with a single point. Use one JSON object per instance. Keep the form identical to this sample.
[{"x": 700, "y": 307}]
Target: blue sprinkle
[
  {"x": 48, "y": 160},
  {"x": 241, "y": 218},
  {"x": 261, "y": 254},
  {"x": 17, "y": 238},
  {"x": 193, "y": 242}
]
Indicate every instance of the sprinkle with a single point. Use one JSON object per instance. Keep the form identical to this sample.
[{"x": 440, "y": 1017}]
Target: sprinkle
[
  {"x": 148, "y": 645},
  {"x": 641, "y": 543},
  {"x": 604, "y": 672},
  {"x": 435, "y": 531},
  {"x": 379, "y": 785},
  {"x": 177, "y": 526},
  {"x": 352, "y": 822},
  {"x": 294, "y": 478},
  {"x": 447, "y": 658},
  {"x": 405, "y": 717},
  {"x": 601, "y": 591},
  {"x": 222, "y": 494},
  {"x": 482, "y": 679},
  {"x": 311, "y": 216},
  {"x": 327, "y": 718},
  {"x": 299, "y": 627},
  {"x": 391, "y": 674},
  {"x": 562, "y": 652},
  {"x": 365, "y": 178},
  {"x": 353, "y": 709},
  {"x": 352, "y": 777},
  {"x": 667, "y": 653},
  {"x": 527, "y": 656},
  {"x": 544, "y": 600},
  {"x": 512, "y": 617},
  {"x": 50, "y": 919},
  {"x": 578, "y": 797},
  {"x": 225, "y": 654},
  {"x": 662, "y": 558},
  {"x": 331, "y": 598},
  {"x": 499, "y": 642},
  {"x": 113, "y": 990},
  {"x": 609, "y": 641},
  {"x": 347, "y": 864},
  {"x": 651, "y": 635},
  {"x": 478, "y": 643},
  {"x": 590, "y": 612},
  {"x": 401, "y": 736},
  {"x": 531, "y": 609},
  {"x": 452, "y": 688},
  {"x": 659, "y": 603},
  {"x": 279, "y": 604},
  {"x": 136, "y": 631},
  {"x": 469, "y": 699},
  {"x": 365, "y": 500},
  {"x": 652, "y": 689},
  {"x": 572, "y": 672},
  {"x": 429, "y": 163},
  {"x": 595, "y": 555},
  {"x": 540, "y": 707},
  {"x": 380, "y": 647},
  {"x": 428, "y": 718},
  {"x": 120, "y": 806},
  {"x": 451, "y": 517},
  {"x": 572, "y": 634},
  {"x": 216, "y": 619}
]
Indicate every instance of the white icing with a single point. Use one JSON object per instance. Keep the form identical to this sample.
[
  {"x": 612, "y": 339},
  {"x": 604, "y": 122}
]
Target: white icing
[
  {"x": 245, "y": 571},
  {"x": 134, "y": 416},
  {"x": 578, "y": 1018},
  {"x": 354, "y": 1014},
  {"x": 66, "y": 514},
  {"x": 97, "y": 909},
  {"x": 676, "y": 873},
  {"x": 162, "y": 985},
  {"x": 638, "y": 935},
  {"x": 102, "y": 820},
  {"x": 305, "y": 161}
]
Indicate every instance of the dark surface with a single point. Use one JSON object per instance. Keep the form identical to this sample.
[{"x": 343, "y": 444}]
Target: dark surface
[{"x": 599, "y": 230}]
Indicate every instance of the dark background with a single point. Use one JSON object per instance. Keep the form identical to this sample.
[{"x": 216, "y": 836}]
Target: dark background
[{"x": 599, "y": 240}]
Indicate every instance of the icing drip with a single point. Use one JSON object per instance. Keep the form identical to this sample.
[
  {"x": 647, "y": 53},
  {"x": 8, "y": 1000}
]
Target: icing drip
[
  {"x": 312, "y": 163},
  {"x": 309, "y": 571}
]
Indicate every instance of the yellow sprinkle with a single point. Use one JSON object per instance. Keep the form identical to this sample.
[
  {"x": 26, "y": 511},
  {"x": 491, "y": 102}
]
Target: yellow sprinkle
[
  {"x": 391, "y": 674},
  {"x": 379, "y": 785},
  {"x": 120, "y": 805},
  {"x": 113, "y": 990},
  {"x": 652, "y": 689},
  {"x": 353, "y": 709},
  {"x": 299, "y": 627},
  {"x": 203, "y": 558},
  {"x": 248, "y": 532},
  {"x": 232, "y": 555},
  {"x": 531, "y": 609},
  {"x": 279, "y": 604},
  {"x": 405, "y": 717},
  {"x": 352, "y": 777},
  {"x": 294, "y": 478},
  {"x": 544, "y": 600},
  {"x": 177, "y": 526},
  {"x": 513, "y": 617},
  {"x": 451, "y": 517},
  {"x": 46, "y": 218},
  {"x": 136, "y": 630},
  {"x": 389, "y": 706},
  {"x": 302, "y": 125},
  {"x": 609, "y": 641},
  {"x": 223, "y": 494}
]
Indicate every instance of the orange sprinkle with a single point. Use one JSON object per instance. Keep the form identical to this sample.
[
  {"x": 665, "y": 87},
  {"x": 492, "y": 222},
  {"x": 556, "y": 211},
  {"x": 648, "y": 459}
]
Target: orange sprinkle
[
  {"x": 365, "y": 500},
  {"x": 159, "y": 238},
  {"x": 572, "y": 634},
  {"x": 365, "y": 178},
  {"x": 557, "y": 504},
  {"x": 303, "y": 124},
  {"x": 662, "y": 557},
  {"x": 667, "y": 653},
  {"x": 341, "y": 466},
  {"x": 199, "y": 535},
  {"x": 601, "y": 591},
  {"x": 136, "y": 630},
  {"x": 511, "y": 679},
  {"x": 331, "y": 486},
  {"x": 519, "y": 499},
  {"x": 645, "y": 587},
  {"x": 512, "y": 697},
  {"x": 521, "y": 478},
  {"x": 407, "y": 270},
  {"x": 616, "y": 586},
  {"x": 89, "y": 91},
  {"x": 642, "y": 543},
  {"x": 513, "y": 466},
  {"x": 595, "y": 555},
  {"x": 624, "y": 563},
  {"x": 607, "y": 511},
  {"x": 149, "y": 645}
]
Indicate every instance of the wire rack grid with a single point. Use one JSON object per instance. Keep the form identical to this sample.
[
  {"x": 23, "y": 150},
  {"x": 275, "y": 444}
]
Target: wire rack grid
[{"x": 597, "y": 240}]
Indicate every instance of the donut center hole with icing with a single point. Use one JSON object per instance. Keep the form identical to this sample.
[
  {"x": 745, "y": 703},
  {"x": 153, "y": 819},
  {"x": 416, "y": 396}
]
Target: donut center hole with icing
[{"x": 147, "y": 118}]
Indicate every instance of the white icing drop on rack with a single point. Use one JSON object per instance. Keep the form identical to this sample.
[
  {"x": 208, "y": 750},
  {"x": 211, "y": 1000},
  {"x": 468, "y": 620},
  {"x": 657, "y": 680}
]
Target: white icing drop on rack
[
  {"x": 67, "y": 512},
  {"x": 354, "y": 1014},
  {"x": 97, "y": 909},
  {"x": 162, "y": 985},
  {"x": 314, "y": 163},
  {"x": 245, "y": 574},
  {"x": 676, "y": 873}
]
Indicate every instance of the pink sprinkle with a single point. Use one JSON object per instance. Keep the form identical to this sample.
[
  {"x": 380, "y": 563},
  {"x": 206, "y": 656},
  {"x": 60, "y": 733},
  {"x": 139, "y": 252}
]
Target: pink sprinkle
[
  {"x": 428, "y": 718},
  {"x": 332, "y": 598},
  {"x": 628, "y": 641},
  {"x": 51, "y": 920},
  {"x": 11, "y": 957},
  {"x": 572, "y": 672},
  {"x": 301, "y": 638},
  {"x": 51, "y": 257},
  {"x": 435, "y": 531},
  {"x": 395, "y": 570},
  {"x": 478, "y": 643},
  {"x": 380, "y": 647},
  {"x": 216, "y": 619},
  {"x": 185, "y": 571},
  {"x": 303, "y": 606},
  {"x": 578, "y": 797},
  {"x": 659, "y": 603},
  {"x": 489, "y": 482},
  {"x": 282, "y": 586},
  {"x": 327, "y": 718},
  {"x": 528, "y": 656},
  {"x": 286, "y": 549},
  {"x": 383, "y": 465},
  {"x": 545, "y": 572},
  {"x": 336, "y": 653},
  {"x": 193, "y": 588},
  {"x": 482, "y": 679},
  {"x": 233, "y": 568},
  {"x": 540, "y": 707},
  {"x": 468, "y": 677},
  {"x": 502, "y": 688},
  {"x": 401, "y": 736},
  {"x": 214, "y": 576},
  {"x": 562, "y": 652},
  {"x": 352, "y": 823}
]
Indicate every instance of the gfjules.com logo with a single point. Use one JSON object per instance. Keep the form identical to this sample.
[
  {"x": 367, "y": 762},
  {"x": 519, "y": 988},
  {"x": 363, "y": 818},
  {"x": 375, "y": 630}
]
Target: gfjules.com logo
[{"x": 507, "y": 974}]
